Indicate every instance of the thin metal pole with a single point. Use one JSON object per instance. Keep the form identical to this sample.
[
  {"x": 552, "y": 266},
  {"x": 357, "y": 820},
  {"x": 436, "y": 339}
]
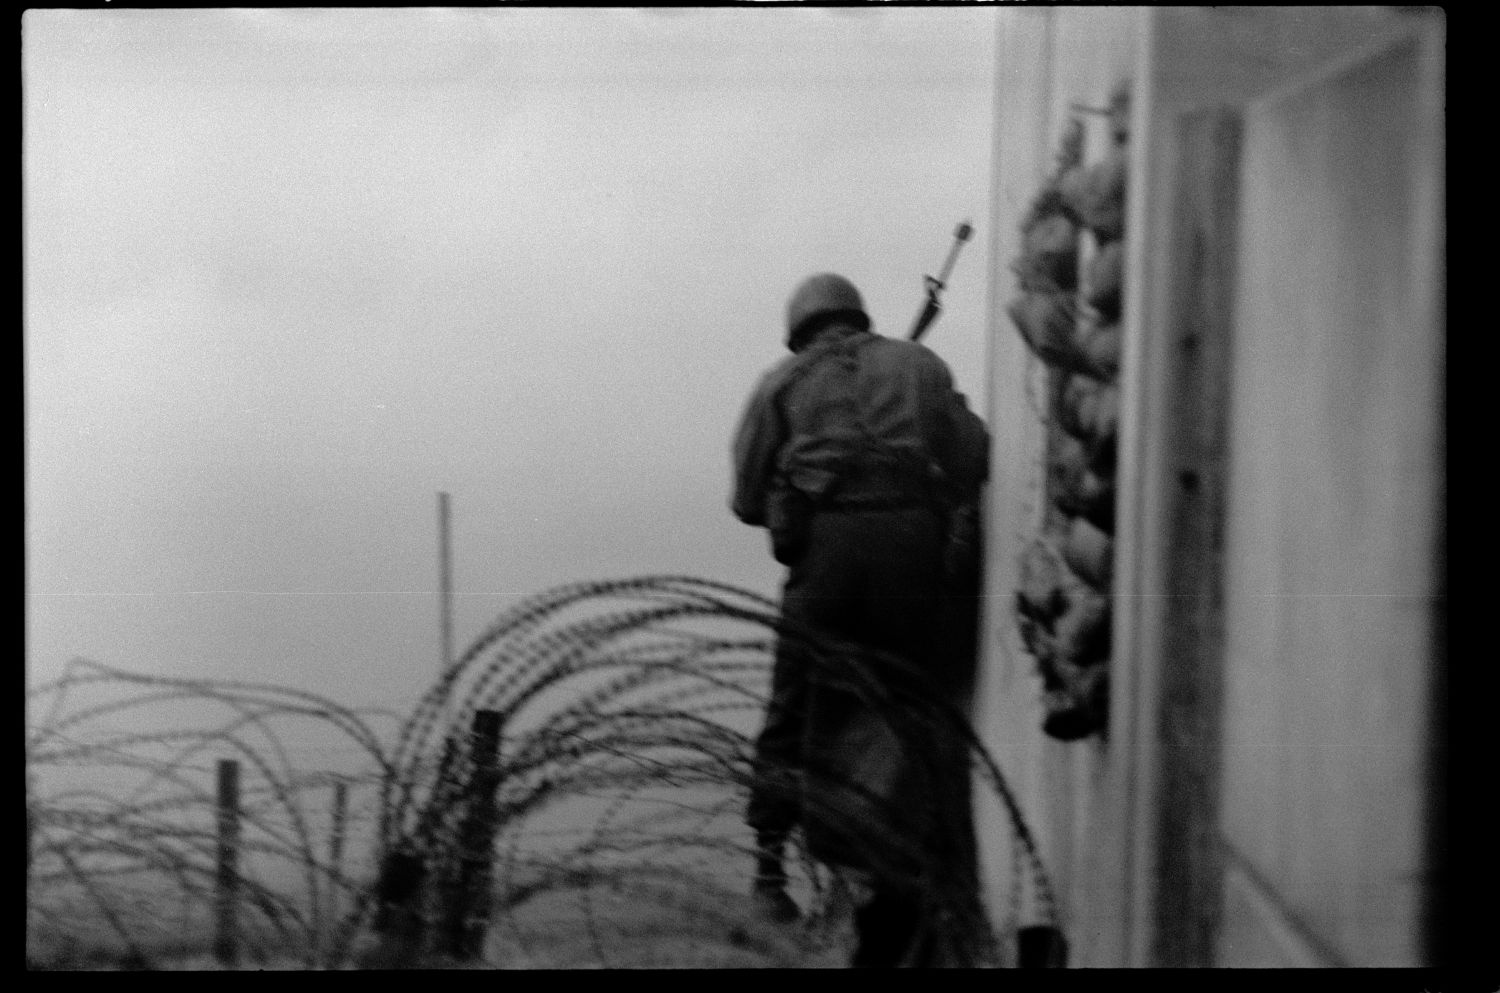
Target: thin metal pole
[{"x": 445, "y": 582}]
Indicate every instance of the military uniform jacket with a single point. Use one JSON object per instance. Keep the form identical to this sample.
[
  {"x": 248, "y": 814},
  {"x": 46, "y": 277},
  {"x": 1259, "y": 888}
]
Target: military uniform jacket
[{"x": 854, "y": 417}]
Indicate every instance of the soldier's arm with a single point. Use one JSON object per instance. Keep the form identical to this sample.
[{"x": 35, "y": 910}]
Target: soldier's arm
[
  {"x": 962, "y": 444},
  {"x": 757, "y": 441},
  {"x": 969, "y": 452}
]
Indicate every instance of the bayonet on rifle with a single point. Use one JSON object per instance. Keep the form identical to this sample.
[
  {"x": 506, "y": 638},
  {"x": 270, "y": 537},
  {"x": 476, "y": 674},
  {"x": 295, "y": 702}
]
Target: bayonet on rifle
[{"x": 932, "y": 307}]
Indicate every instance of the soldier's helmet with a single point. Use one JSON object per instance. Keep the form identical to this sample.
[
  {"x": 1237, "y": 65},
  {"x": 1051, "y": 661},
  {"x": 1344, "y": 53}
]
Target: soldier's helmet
[{"x": 819, "y": 297}]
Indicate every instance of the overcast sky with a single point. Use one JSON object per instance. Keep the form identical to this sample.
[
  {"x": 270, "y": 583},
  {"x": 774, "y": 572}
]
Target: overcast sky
[{"x": 290, "y": 273}]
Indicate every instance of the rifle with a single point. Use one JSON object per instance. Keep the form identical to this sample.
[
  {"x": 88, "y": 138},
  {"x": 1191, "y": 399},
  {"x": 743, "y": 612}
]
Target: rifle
[{"x": 933, "y": 307}]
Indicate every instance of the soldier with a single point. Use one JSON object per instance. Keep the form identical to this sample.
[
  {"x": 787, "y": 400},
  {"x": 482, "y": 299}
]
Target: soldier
[{"x": 854, "y": 451}]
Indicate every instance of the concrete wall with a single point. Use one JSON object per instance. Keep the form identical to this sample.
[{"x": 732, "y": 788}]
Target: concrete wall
[
  {"x": 1317, "y": 476},
  {"x": 1047, "y": 61},
  {"x": 1334, "y": 518}
]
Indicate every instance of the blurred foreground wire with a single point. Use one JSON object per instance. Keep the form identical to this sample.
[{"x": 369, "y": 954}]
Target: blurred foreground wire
[{"x": 570, "y": 793}]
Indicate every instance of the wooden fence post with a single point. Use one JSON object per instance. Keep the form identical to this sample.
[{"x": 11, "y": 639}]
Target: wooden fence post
[
  {"x": 468, "y": 913},
  {"x": 405, "y": 884},
  {"x": 398, "y": 920},
  {"x": 226, "y": 948}
]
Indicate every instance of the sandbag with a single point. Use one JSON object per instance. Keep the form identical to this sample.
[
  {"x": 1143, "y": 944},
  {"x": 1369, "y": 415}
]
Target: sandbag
[
  {"x": 1095, "y": 501},
  {"x": 1089, "y": 409},
  {"x": 1067, "y": 461},
  {"x": 1042, "y": 646},
  {"x": 1079, "y": 706},
  {"x": 1103, "y": 429},
  {"x": 1067, "y": 632},
  {"x": 1073, "y": 401},
  {"x": 1047, "y": 324},
  {"x": 1099, "y": 346},
  {"x": 1039, "y": 591},
  {"x": 1096, "y": 195},
  {"x": 1082, "y": 632},
  {"x": 1103, "y": 279},
  {"x": 1072, "y": 189},
  {"x": 1047, "y": 202},
  {"x": 1089, "y": 553},
  {"x": 1049, "y": 255},
  {"x": 1119, "y": 114},
  {"x": 1089, "y": 495}
]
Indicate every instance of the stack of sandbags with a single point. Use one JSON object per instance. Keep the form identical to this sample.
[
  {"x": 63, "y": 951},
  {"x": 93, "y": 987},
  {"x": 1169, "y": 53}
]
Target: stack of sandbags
[
  {"x": 1064, "y": 624},
  {"x": 1073, "y": 325},
  {"x": 1045, "y": 311}
]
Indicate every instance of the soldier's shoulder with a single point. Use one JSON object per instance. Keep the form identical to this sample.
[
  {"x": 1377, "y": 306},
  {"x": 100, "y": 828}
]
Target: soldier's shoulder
[
  {"x": 906, "y": 350},
  {"x": 779, "y": 374},
  {"x": 898, "y": 345}
]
